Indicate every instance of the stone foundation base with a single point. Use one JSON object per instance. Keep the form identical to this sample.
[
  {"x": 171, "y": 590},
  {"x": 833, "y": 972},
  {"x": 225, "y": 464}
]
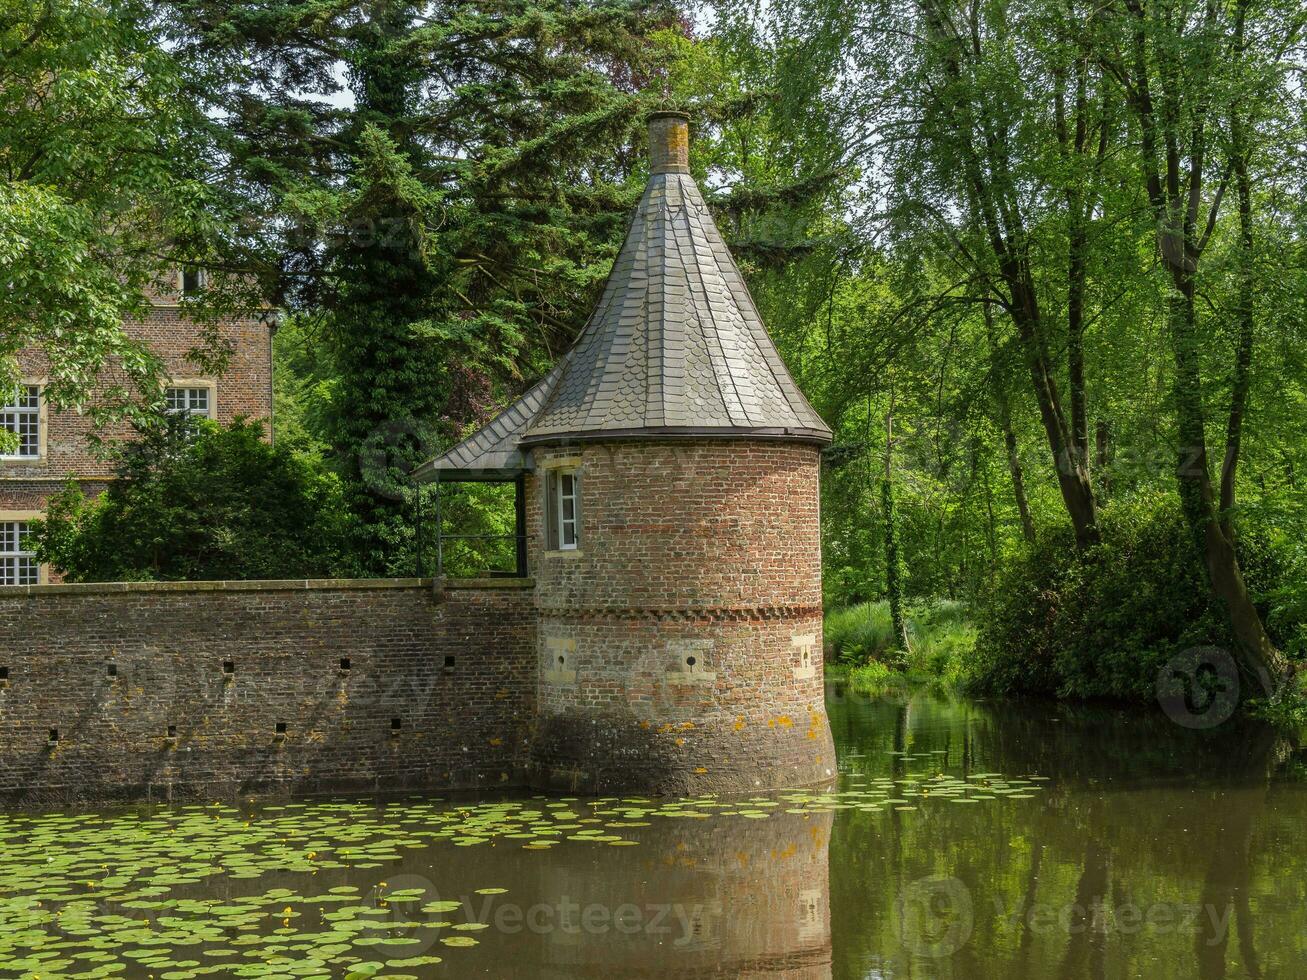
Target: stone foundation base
[{"x": 783, "y": 747}]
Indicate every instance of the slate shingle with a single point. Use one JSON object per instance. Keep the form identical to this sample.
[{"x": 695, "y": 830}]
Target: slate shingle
[{"x": 676, "y": 295}]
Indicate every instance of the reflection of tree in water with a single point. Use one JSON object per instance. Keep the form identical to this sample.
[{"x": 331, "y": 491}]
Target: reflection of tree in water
[
  {"x": 1228, "y": 881},
  {"x": 1152, "y": 851},
  {"x": 1084, "y": 948}
]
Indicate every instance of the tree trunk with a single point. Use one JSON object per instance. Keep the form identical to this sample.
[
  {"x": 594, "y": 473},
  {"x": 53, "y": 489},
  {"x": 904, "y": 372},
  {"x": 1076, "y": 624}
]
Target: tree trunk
[
  {"x": 893, "y": 567},
  {"x": 1009, "y": 434},
  {"x": 1018, "y": 483},
  {"x": 1243, "y": 355},
  {"x": 1072, "y": 475},
  {"x": 988, "y": 182},
  {"x": 1075, "y": 345},
  {"x": 1074, "y": 139},
  {"x": 991, "y": 531},
  {"x": 1256, "y": 651},
  {"x": 1175, "y": 194},
  {"x": 1103, "y": 462},
  {"x": 893, "y": 564}
]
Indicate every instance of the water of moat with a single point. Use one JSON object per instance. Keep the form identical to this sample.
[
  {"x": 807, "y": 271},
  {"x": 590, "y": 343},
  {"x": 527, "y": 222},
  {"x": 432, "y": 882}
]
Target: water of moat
[{"x": 964, "y": 839}]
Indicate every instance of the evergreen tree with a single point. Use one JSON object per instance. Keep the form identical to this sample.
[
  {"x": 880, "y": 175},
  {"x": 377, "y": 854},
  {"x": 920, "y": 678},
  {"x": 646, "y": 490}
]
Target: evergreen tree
[{"x": 442, "y": 188}]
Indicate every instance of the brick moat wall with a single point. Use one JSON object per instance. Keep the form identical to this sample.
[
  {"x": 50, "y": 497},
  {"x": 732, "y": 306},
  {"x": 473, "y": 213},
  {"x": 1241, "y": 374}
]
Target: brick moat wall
[{"x": 174, "y": 691}]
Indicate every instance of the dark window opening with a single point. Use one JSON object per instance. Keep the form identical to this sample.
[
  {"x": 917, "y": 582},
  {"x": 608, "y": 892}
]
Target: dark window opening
[
  {"x": 344, "y": 663},
  {"x": 54, "y": 734},
  {"x": 229, "y": 666},
  {"x": 474, "y": 528},
  {"x": 112, "y": 670},
  {"x": 281, "y": 728},
  {"x": 449, "y": 661}
]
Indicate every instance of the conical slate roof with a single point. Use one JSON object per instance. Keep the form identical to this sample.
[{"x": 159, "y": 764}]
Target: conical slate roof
[{"x": 675, "y": 347}]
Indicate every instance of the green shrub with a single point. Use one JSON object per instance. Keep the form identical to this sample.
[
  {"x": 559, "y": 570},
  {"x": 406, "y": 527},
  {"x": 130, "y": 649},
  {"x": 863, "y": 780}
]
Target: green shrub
[
  {"x": 1102, "y": 622},
  {"x": 943, "y": 640},
  {"x": 859, "y": 633},
  {"x": 872, "y": 678},
  {"x": 1287, "y": 601},
  {"x": 941, "y": 636},
  {"x": 1287, "y": 710},
  {"x": 195, "y": 500}
]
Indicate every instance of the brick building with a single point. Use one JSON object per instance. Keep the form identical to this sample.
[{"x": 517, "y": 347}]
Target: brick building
[
  {"x": 668, "y": 496},
  {"x": 53, "y": 445}
]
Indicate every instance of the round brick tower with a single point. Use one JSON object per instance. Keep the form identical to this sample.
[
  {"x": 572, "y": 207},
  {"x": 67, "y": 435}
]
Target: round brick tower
[
  {"x": 671, "y": 474},
  {"x": 681, "y": 645}
]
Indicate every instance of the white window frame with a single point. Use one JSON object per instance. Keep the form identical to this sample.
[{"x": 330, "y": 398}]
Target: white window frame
[
  {"x": 13, "y": 556},
  {"x": 562, "y": 484},
  {"x": 189, "y": 387},
  {"x": 572, "y": 495},
  {"x": 13, "y": 415}
]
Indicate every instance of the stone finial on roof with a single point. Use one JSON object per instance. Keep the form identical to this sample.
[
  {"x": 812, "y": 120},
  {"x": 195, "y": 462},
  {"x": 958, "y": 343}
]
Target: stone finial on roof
[{"x": 669, "y": 143}]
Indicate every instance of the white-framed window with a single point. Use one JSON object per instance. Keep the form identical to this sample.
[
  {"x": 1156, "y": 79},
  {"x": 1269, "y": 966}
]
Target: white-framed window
[
  {"x": 563, "y": 509},
  {"x": 189, "y": 400},
  {"x": 18, "y": 566},
  {"x": 22, "y": 418}
]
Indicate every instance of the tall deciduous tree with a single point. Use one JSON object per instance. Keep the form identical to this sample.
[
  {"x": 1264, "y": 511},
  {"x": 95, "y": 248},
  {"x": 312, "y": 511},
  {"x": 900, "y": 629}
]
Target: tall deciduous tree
[
  {"x": 104, "y": 189},
  {"x": 1025, "y": 267},
  {"x": 1197, "y": 89},
  {"x": 990, "y": 132}
]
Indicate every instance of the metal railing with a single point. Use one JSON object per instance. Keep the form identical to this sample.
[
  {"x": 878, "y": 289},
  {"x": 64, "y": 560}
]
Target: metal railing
[{"x": 493, "y": 560}]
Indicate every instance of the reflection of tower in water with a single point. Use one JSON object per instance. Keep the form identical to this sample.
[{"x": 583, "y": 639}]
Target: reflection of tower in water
[{"x": 720, "y": 897}]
